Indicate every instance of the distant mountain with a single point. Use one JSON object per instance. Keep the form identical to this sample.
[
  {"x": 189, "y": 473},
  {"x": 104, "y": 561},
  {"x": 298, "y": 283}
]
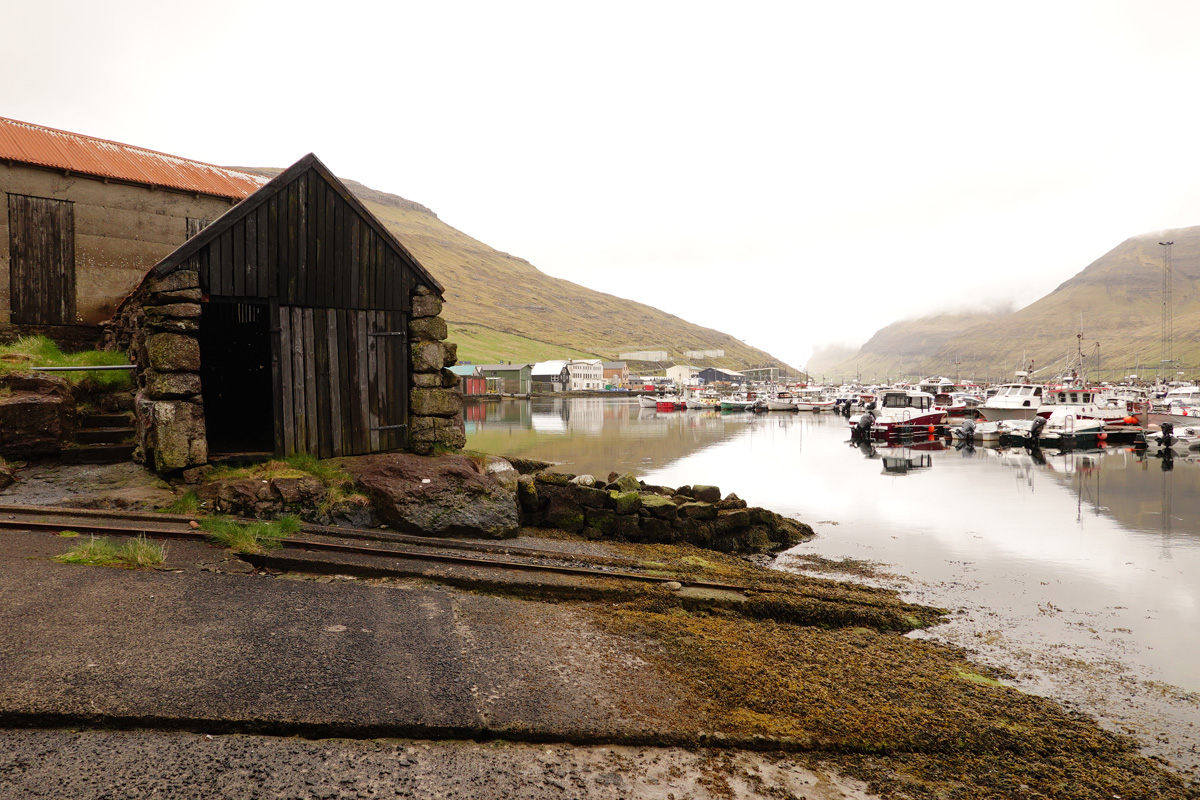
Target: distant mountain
[
  {"x": 1117, "y": 302},
  {"x": 502, "y": 308}
]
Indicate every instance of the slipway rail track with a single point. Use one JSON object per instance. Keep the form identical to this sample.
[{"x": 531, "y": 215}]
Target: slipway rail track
[{"x": 321, "y": 549}]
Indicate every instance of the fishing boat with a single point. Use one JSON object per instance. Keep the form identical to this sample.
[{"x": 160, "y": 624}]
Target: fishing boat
[
  {"x": 815, "y": 398},
  {"x": 670, "y": 403},
  {"x": 902, "y": 412},
  {"x": 782, "y": 401},
  {"x": 704, "y": 401},
  {"x": 647, "y": 401}
]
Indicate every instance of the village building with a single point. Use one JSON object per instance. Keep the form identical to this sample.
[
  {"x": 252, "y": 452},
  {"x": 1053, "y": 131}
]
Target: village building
[
  {"x": 616, "y": 374},
  {"x": 683, "y": 374},
  {"x": 715, "y": 375},
  {"x": 509, "y": 378},
  {"x": 471, "y": 381},
  {"x": 85, "y": 218},
  {"x": 585, "y": 375},
  {"x": 550, "y": 376},
  {"x": 294, "y": 323},
  {"x": 762, "y": 374}
]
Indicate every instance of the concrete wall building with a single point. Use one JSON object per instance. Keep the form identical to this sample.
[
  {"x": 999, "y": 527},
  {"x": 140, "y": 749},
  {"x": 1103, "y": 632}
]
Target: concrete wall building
[{"x": 85, "y": 218}]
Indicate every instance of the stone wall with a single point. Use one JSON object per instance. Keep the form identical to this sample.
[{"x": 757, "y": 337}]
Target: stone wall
[
  {"x": 626, "y": 509},
  {"x": 435, "y": 399},
  {"x": 160, "y": 335}
]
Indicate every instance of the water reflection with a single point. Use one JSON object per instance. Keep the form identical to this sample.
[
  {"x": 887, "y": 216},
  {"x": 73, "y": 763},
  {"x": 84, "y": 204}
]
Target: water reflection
[{"x": 1058, "y": 541}]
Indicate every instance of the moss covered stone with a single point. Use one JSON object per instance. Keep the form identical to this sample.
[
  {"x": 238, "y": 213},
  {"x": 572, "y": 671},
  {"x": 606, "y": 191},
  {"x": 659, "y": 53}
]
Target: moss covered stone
[
  {"x": 173, "y": 352},
  {"x": 625, "y": 502}
]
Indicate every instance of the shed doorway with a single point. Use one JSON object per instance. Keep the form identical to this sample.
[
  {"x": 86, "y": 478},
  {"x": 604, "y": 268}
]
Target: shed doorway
[{"x": 235, "y": 375}]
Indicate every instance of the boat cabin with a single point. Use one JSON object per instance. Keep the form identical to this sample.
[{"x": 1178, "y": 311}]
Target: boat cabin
[{"x": 902, "y": 398}]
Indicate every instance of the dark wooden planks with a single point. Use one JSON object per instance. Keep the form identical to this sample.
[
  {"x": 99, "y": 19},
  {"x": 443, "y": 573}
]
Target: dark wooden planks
[{"x": 42, "y": 260}]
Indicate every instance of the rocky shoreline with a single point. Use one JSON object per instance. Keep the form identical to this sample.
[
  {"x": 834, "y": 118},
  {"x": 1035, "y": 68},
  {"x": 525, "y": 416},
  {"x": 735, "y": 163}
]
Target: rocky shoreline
[{"x": 830, "y": 694}]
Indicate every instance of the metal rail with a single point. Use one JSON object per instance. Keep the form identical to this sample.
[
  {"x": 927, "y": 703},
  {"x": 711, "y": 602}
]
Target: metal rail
[{"x": 22, "y": 518}]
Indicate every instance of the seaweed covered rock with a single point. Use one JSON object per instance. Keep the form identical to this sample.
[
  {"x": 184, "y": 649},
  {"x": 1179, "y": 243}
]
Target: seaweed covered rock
[{"x": 628, "y": 510}]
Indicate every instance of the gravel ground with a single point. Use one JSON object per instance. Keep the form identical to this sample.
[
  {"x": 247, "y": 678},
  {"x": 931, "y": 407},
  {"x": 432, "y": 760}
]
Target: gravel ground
[{"x": 105, "y": 765}]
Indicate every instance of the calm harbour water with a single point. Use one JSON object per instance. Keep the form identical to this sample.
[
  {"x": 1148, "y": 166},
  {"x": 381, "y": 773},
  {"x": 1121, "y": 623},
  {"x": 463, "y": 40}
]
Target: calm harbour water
[{"x": 1080, "y": 575}]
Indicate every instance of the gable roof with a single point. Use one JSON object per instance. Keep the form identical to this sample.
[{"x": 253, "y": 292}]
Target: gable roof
[
  {"x": 272, "y": 187},
  {"x": 26, "y": 143}
]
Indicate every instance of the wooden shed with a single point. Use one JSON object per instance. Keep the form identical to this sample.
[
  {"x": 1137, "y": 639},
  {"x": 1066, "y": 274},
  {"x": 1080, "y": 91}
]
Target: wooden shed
[{"x": 299, "y": 305}]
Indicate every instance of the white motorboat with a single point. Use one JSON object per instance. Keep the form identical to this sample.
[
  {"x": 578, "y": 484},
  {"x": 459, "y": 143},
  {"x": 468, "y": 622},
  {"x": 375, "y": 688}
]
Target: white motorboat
[
  {"x": 901, "y": 412},
  {"x": 1011, "y": 401},
  {"x": 647, "y": 401},
  {"x": 1180, "y": 440}
]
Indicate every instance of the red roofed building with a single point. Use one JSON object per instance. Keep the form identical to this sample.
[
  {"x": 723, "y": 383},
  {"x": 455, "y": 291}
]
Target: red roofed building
[{"x": 84, "y": 219}]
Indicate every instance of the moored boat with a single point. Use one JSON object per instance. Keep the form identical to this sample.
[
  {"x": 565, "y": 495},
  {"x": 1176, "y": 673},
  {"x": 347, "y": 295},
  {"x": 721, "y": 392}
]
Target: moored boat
[{"x": 903, "y": 412}]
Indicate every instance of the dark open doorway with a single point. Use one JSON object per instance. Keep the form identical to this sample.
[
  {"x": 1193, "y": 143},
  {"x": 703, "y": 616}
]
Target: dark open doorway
[{"x": 235, "y": 372}]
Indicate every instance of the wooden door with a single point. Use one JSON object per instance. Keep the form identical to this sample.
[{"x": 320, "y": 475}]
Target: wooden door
[
  {"x": 341, "y": 378},
  {"x": 42, "y": 260}
]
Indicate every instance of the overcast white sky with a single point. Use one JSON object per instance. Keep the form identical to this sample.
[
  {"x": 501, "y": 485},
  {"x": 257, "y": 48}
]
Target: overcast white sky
[{"x": 792, "y": 173}]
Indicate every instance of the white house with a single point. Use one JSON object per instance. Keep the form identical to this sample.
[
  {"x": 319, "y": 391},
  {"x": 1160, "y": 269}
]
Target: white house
[
  {"x": 683, "y": 374},
  {"x": 585, "y": 374}
]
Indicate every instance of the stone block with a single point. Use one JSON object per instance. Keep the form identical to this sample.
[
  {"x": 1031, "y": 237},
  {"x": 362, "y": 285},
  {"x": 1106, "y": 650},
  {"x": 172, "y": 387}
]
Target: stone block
[
  {"x": 697, "y": 510},
  {"x": 171, "y": 385},
  {"x": 178, "y": 434},
  {"x": 564, "y": 515},
  {"x": 449, "y": 354},
  {"x": 589, "y": 497},
  {"x": 159, "y": 298},
  {"x": 450, "y": 432},
  {"x": 429, "y": 305},
  {"x": 659, "y": 507},
  {"x": 174, "y": 281},
  {"x": 173, "y": 352},
  {"x": 427, "y": 380},
  {"x": 173, "y": 310},
  {"x": 706, "y": 494},
  {"x": 429, "y": 356},
  {"x": 602, "y": 519},
  {"x": 427, "y": 329},
  {"x": 435, "y": 402},
  {"x": 527, "y": 494},
  {"x": 628, "y": 483},
  {"x": 628, "y": 528},
  {"x": 624, "y": 502}
]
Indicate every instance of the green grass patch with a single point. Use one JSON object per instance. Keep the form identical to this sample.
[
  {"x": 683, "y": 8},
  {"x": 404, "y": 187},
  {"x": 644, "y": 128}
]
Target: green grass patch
[
  {"x": 254, "y": 538},
  {"x": 480, "y": 345},
  {"x": 139, "y": 553},
  {"x": 68, "y": 534},
  {"x": 30, "y": 352},
  {"x": 187, "y": 503}
]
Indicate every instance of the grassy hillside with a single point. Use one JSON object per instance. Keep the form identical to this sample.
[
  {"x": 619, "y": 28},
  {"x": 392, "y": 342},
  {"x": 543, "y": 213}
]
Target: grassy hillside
[
  {"x": 502, "y": 308},
  {"x": 1117, "y": 302}
]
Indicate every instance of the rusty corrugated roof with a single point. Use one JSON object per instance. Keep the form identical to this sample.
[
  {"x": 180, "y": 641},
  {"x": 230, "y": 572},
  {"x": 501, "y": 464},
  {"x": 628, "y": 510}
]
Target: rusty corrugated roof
[{"x": 47, "y": 147}]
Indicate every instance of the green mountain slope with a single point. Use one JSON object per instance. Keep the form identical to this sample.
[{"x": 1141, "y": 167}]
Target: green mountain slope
[
  {"x": 502, "y": 308},
  {"x": 1116, "y": 301}
]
